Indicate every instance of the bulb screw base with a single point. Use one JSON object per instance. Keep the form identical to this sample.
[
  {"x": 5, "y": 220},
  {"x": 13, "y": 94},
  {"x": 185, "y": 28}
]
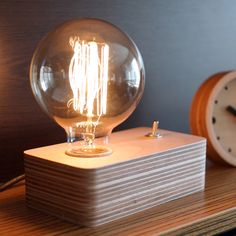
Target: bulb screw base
[{"x": 87, "y": 152}]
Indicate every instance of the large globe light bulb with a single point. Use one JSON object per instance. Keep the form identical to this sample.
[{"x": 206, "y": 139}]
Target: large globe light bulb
[{"x": 88, "y": 76}]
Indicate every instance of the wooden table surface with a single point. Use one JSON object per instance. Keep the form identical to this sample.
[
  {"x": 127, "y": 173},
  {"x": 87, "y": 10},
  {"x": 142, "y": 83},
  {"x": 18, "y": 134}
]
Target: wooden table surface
[{"x": 208, "y": 212}]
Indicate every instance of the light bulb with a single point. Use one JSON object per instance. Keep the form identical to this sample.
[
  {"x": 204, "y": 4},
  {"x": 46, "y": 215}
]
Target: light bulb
[{"x": 88, "y": 76}]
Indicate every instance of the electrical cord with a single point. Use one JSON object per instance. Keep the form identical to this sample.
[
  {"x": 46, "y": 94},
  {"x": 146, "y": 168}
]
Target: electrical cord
[{"x": 11, "y": 182}]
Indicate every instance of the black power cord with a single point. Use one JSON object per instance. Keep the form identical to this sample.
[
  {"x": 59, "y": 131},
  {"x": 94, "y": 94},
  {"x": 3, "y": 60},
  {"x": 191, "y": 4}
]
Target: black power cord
[{"x": 11, "y": 182}]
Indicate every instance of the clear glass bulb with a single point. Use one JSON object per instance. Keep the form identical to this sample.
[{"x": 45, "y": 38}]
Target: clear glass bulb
[{"x": 88, "y": 76}]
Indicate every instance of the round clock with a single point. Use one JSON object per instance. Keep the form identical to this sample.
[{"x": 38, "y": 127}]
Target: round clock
[{"x": 213, "y": 116}]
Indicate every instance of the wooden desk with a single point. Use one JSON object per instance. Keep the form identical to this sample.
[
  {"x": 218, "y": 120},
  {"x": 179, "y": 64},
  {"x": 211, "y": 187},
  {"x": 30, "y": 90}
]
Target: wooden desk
[{"x": 211, "y": 211}]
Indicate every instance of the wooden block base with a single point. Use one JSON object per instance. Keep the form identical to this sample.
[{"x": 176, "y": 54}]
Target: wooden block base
[{"x": 141, "y": 173}]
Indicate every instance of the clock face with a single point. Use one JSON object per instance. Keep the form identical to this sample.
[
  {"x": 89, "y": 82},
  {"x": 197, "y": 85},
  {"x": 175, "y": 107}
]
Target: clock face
[
  {"x": 213, "y": 116},
  {"x": 224, "y": 118}
]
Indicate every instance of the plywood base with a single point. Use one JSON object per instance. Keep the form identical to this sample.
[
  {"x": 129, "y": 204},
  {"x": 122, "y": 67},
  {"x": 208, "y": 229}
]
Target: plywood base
[{"x": 141, "y": 173}]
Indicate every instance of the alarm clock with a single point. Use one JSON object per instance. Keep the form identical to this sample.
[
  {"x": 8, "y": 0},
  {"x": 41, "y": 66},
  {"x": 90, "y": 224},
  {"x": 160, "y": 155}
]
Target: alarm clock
[{"x": 213, "y": 116}]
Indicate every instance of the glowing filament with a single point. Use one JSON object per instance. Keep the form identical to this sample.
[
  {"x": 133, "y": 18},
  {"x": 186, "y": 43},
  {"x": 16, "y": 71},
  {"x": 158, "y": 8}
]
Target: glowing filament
[{"x": 88, "y": 76}]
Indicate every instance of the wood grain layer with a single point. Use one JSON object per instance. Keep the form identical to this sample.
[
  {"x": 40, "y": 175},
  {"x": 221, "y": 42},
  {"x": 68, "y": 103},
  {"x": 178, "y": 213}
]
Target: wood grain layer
[{"x": 212, "y": 211}]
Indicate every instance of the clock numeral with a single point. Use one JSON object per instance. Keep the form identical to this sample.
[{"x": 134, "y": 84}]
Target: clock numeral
[{"x": 213, "y": 120}]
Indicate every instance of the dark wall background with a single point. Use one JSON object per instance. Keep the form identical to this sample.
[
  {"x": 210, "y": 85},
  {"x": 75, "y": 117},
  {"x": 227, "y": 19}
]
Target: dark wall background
[{"x": 182, "y": 43}]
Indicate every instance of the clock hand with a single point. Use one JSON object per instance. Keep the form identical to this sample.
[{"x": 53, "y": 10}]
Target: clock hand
[{"x": 231, "y": 110}]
